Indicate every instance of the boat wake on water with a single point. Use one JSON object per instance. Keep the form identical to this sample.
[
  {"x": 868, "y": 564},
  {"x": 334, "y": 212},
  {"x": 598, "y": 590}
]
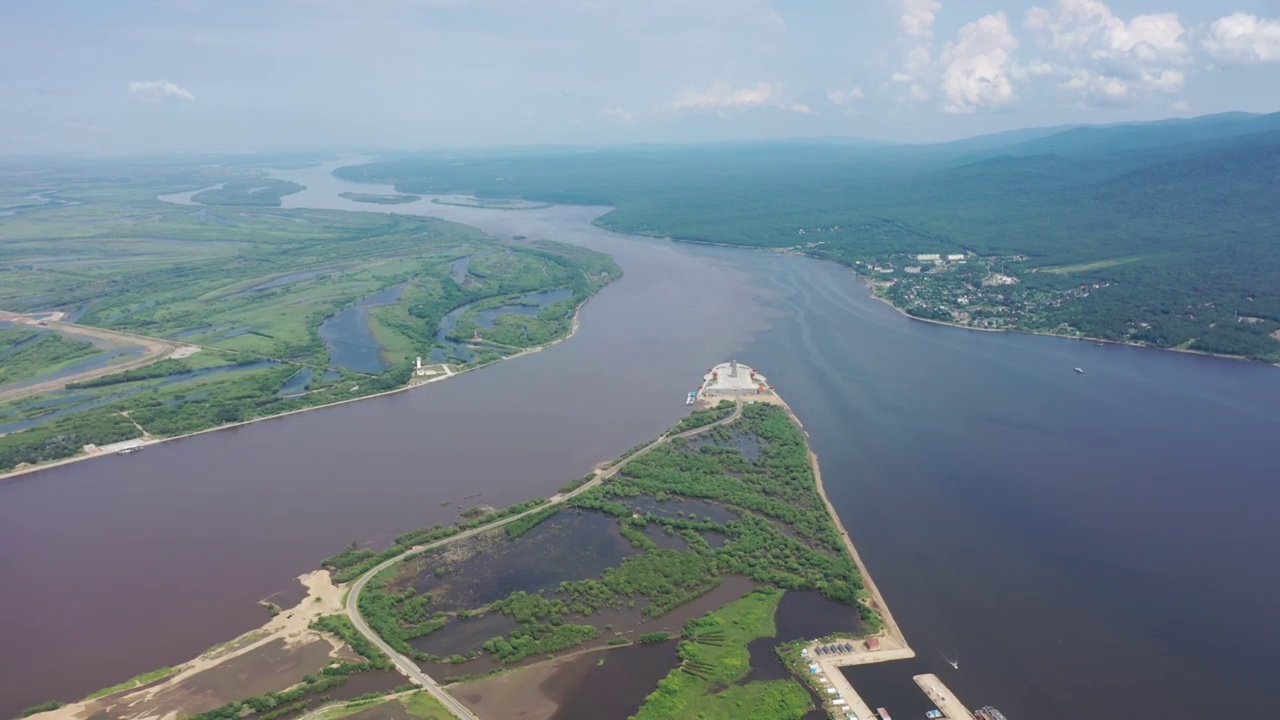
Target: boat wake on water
[{"x": 953, "y": 661}]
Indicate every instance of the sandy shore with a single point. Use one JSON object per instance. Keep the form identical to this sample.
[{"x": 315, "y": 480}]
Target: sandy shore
[
  {"x": 166, "y": 698},
  {"x": 573, "y": 330},
  {"x": 893, "y": 639}
]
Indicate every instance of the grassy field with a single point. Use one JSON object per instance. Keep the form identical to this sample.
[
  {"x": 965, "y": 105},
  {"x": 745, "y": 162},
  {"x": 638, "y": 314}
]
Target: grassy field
[
  {"x": 420, "y": 705},
  {"x": 250, "y": 283},
  {"x": 714, "y": 658},
  {"x": 1091, "y": 266},
  {"x": 133, "y": 682}
]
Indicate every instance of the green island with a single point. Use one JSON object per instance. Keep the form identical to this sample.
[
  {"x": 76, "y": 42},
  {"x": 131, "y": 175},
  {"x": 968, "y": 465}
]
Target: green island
[
  {"x": 1114, "y": 233},
  {"x": 233, "y": 310},
  {"x": 379, "y": 199},
  {"x": 259, "y": 191}
]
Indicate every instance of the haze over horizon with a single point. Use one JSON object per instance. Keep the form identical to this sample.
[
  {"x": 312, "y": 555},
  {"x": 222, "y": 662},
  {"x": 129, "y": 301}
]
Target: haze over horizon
[{"x": 198, "y": 75}]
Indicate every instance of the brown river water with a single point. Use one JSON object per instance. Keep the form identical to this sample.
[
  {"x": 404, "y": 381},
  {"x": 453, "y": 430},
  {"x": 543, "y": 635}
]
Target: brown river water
[{"x": 1100, "y": 545}]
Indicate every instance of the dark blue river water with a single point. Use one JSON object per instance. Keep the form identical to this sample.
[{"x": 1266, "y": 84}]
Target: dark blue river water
[{"x": 1098, "y": 545}]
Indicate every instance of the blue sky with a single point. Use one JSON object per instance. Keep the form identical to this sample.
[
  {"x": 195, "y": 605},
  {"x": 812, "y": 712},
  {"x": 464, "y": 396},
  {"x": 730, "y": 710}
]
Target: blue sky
[{"x": 200, "y": 75}]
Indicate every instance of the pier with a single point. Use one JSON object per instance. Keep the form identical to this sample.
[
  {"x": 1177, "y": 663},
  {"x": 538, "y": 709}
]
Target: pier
[
  {"x": 843, "y": 702},
  {"x": 944, "y": 699}
]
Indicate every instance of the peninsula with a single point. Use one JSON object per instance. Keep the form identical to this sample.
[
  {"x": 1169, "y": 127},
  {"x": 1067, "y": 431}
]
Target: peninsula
[{"x": 705, "y": 535}]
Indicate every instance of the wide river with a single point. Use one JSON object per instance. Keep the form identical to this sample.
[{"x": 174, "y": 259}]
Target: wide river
[{"x": 1101, "y": 545}]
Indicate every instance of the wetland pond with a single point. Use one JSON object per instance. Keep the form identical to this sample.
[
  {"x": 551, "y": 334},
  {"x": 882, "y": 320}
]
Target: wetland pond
[{"x": 349, "y": 338}]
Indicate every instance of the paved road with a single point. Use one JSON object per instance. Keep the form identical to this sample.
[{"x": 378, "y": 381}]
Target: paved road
[{"x": 407, "y": 666}]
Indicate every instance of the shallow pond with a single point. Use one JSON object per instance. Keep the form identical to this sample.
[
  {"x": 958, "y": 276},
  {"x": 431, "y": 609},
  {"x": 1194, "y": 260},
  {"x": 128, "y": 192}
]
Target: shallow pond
[
  {"x": 296, "y": 384},
  {"x": 462, "y": 636},
  {"x": 572, "y": 545},
  {"x": 683, "y": 508},
  {"x": 801, "y": 615}
]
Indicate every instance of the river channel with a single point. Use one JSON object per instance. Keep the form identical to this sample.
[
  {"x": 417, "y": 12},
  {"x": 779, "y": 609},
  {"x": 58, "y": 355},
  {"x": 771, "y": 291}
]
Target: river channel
[{"x": 1097, "y": 545}]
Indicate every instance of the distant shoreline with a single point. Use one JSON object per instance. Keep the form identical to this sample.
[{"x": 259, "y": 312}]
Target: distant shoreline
[
  {"x": 1046, "y": 333},
  {"x": 81, "y": 457},
  {"x": 867, "y": 282}
]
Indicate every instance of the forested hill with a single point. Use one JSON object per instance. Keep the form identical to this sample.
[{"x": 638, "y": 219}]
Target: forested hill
[{"x": 1164, "y": 233}]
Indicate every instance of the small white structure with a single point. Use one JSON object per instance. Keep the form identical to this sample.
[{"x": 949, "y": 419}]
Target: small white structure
[
  {"x": 732, "y": 379},
  {"x": 954, "y": 258},
  {"x": 929, "y": 257}
]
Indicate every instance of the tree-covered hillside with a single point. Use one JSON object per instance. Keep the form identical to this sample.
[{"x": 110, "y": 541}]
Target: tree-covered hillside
[{"x": 1162, "y": 233}]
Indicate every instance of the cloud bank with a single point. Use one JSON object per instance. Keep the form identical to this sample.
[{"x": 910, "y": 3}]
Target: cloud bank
[{"x": 156, "y": 92}]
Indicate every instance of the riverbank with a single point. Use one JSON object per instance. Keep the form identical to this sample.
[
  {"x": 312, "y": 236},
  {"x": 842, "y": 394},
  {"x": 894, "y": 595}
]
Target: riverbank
[
  {"x": 573, "y": 330},
  {"x": 1128, "y": 343},
  {"x": 215, "y": 676}
]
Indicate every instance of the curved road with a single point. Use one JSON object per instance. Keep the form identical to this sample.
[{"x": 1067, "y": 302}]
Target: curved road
[{"x": 407, "y": 666}]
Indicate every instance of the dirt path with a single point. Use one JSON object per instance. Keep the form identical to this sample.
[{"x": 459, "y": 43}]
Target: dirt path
[{"x": 154, "y": 349}]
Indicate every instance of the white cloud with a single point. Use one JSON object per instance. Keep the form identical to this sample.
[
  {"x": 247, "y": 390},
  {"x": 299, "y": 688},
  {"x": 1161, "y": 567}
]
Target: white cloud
[
  {"x": 977, "y": 67},
  {"x": 1107, "y": 60},
  {"x": 720, "y": 96},
  {"x": 1243, "y": 39},
  {"x": 918, "y": 17},
  {"x": 844, "y": 97},
  {"x": 1036, "y": 69},
  {"x": 917, "y": 20},
  {"x": 616, "y": 114},
  {"x": 1102, "y": 90},
  {"x": 1180, "y": 106},
  {"x": 158, "y": 91}
]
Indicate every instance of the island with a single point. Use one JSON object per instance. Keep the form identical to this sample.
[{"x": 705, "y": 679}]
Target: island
[
  {"x": 690, "y": 565},
  {"x": 379, "y": 199}
]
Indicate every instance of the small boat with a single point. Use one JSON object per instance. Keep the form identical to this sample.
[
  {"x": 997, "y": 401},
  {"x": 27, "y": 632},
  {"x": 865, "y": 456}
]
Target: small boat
[
  {"x": 934, "y": 714},
  {"x": 1080, "y": 370},
  {"x": 129, "y": 450},
  {"x": 884, "y": 714}
]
